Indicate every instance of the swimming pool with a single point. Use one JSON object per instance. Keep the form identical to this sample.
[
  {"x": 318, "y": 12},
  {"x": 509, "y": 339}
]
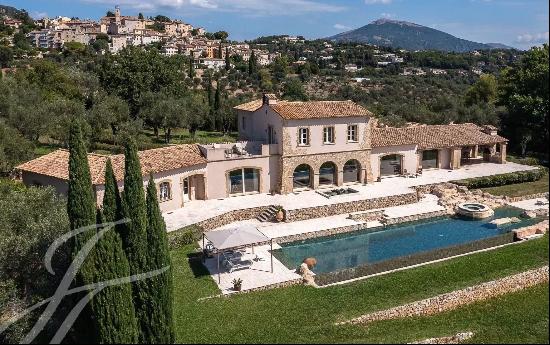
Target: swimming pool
[{"x": 365, "y": 247}]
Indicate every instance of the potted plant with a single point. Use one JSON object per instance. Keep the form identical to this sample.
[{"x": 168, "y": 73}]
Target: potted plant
[
  {"x": 237, "y": 284},
  {"x": 280, "y": 214}
]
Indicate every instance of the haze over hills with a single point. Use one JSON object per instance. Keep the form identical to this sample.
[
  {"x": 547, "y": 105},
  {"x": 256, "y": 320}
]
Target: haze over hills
[{"x": 410, "y": 36}]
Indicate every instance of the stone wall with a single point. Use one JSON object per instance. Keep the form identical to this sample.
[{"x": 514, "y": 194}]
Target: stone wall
[
  {"x": 527, "y": 197},
  {"x": 324, "y": 233},
  {"x": 351, "y": 206},
  {"x": 458, "y": 298},
  {"x": 415, "y": 217},
  {"x": 525, "y": 232},
  {"x": 230, "y": 217},
  {"x": 367, "y": 216}
]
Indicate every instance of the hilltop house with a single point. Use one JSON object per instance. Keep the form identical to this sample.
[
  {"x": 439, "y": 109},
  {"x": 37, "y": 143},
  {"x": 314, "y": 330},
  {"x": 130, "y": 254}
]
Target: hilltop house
[{"x": 288, "y": 147}]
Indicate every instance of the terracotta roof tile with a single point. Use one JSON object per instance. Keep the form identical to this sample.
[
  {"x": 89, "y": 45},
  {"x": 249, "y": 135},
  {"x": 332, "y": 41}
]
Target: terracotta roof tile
[
  {"x": 318, "y": 109},
  {"x": 309, "y": 110},
  {"x": 434, "y": 136},
  {"x": 56, "y": 164},
  {"x": 250, "y": 106}
]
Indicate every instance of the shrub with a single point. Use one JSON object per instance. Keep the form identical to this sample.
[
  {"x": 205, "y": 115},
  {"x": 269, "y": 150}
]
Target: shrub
[
  {"x": 503, "y": 179},
  {"x": 184, "y": 236}
]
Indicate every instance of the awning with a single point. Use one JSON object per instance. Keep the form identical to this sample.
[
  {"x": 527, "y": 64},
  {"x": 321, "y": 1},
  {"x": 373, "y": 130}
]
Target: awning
[{"x": 244, "y": 235}]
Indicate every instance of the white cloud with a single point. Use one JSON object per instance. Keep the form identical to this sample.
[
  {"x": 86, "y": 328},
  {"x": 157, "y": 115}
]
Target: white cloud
[
  {"x": 342, "y": 27},
  {"x": 387, "y": 15},
  {"x": 38, "y": 14},
  {"x": 382, "y": 2},
  {"x": 541, "y": 37},
  {"x": 246, "y": 7}
]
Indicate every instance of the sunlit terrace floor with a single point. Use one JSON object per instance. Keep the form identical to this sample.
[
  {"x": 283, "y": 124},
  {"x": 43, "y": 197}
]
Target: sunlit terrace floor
[{"x": 200, "y": 210}]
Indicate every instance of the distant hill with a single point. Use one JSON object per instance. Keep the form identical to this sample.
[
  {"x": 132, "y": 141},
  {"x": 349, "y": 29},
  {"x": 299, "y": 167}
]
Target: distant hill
[
  {"x": 10, "y": 11},
  {"x": 410, "y": 36}
]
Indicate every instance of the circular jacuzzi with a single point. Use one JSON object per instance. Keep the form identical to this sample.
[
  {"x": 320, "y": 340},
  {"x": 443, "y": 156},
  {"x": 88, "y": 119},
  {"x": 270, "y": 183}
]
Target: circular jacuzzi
[{"x": 474, "y": 210}]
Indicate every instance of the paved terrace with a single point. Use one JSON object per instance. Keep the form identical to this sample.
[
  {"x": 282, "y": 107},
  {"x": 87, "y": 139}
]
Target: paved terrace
[{"x": 199, "y": 210}]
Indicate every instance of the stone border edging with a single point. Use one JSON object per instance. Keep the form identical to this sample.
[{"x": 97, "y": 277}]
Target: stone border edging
[
  {"x": 454, "y": 339},
  {"x": 452, "y": 300},
  {"x": 527, "y": 197}
]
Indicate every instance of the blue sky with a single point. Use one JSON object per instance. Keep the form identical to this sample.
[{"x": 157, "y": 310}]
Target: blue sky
[{"x": 519, "y": 23}]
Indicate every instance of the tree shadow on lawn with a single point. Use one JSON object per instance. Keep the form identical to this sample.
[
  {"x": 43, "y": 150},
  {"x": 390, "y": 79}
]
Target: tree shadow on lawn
[{"x": 196, "y": 265}]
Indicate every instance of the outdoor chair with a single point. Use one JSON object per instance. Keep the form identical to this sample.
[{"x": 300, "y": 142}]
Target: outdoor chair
[{"x": 234, "y": 263}]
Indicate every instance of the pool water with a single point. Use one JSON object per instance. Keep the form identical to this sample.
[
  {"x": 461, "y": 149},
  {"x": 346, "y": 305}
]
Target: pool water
[{"x": 359, "y": 248}]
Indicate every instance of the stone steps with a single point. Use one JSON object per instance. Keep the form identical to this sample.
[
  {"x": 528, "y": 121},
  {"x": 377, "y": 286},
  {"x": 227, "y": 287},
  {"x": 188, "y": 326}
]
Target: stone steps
[{"x": 267, "y": 215}]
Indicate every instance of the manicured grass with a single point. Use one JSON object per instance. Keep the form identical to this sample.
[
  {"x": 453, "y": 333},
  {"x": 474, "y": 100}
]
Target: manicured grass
[
  {"x": 520, "y": 189},
  {"x": 304, "y": 314},
  {"x": 516, "y": 318},
  {"x": 43, "y": 149}
]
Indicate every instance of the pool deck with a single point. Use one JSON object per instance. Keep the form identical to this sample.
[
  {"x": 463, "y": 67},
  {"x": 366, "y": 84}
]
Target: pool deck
[
  {"x": 199, "y": 210},
  {"x": 531, "y": 204},
  {"x": 259, "y": 275}
]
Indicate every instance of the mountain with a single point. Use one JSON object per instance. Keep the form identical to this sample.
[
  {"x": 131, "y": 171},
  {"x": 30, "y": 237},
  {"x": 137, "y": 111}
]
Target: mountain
[{"x": 410, "y": 36}]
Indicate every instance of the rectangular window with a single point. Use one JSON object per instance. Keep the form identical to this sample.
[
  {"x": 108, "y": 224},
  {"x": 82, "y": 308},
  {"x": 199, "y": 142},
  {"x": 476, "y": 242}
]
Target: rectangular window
[
  {"x": 244, "y": 123},
  {"x": 303, "y": 136},
  {"x": 352, "y": 133},
  {"x": 328, "y": 135}
]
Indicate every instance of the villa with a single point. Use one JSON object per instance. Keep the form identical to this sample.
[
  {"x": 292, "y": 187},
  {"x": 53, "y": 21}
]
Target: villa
[{"x": 286, "y": 147}]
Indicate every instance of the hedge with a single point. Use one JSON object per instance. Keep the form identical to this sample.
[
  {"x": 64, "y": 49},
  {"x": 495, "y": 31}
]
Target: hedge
[
  {"x": 414, "y": 259},
  {"x": 503, "y": 179},
  {"x": 184, "y": 236}
]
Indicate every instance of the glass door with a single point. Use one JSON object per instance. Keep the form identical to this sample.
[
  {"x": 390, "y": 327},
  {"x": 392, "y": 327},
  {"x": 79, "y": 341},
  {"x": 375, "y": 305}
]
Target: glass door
[{"x": 186, "y": 189}]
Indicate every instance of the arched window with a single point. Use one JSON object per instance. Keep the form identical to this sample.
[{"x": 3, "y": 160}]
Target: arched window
[
  {"x": 165, "y": 192},
  {"x": 243, "y": 180},
  {"x": 327, "y": 174},
  {"x": 351, "y": 171},
  {"x": 301, "y": 178},
  {"x": 391, "y": 165}
]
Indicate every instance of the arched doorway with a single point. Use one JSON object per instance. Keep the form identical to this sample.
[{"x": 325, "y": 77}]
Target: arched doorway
[
  {"x": 351, "y": 171},
  {"x": 301, "y": 178},
  {"x": 327, "y": 174},
  {"x": 391, "y": 165}
]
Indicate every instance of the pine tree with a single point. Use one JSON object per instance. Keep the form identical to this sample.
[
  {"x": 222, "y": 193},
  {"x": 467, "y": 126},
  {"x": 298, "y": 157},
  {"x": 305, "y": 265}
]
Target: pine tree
[
  {"x": 134, "y": 235},
  {"x": 113, "y": 310},
  {"x": 113, "y": 307},
  {"x": 227, "y": 60},
  {"x": 162, "y": 326},
  {"x": 81, "y": 212}
]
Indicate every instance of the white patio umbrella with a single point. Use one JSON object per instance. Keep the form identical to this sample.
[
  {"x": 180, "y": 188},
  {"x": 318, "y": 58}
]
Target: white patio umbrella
[{"x": 241, "y": 236}]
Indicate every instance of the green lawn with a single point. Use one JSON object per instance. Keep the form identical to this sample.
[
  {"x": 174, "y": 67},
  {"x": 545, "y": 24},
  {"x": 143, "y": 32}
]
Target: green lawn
[
  {"x": 520, "y": 189},
  {"x": 182, "y": 136},
  {"x": 303, "y": 314}
]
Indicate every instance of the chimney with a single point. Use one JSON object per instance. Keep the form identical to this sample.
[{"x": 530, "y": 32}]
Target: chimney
[
  {"x": 269, "y": 99},
  {"x": 491, "y": 130}
]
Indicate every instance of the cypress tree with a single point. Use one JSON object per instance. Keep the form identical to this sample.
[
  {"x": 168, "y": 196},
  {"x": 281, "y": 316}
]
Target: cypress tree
[
  {"x": 80, "y": 196},
  {"x": 113, "y": 308},
  {"x": 81, "y": 212},
  {"x": 134, "y": 235},
  {"x": 191, "y": 69},
  {"x": 217, "y": 103},
  {"x": 227, "y": 60},
  {"x": 252, "y": 64},
  {"x": 162, "y": 326}
]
